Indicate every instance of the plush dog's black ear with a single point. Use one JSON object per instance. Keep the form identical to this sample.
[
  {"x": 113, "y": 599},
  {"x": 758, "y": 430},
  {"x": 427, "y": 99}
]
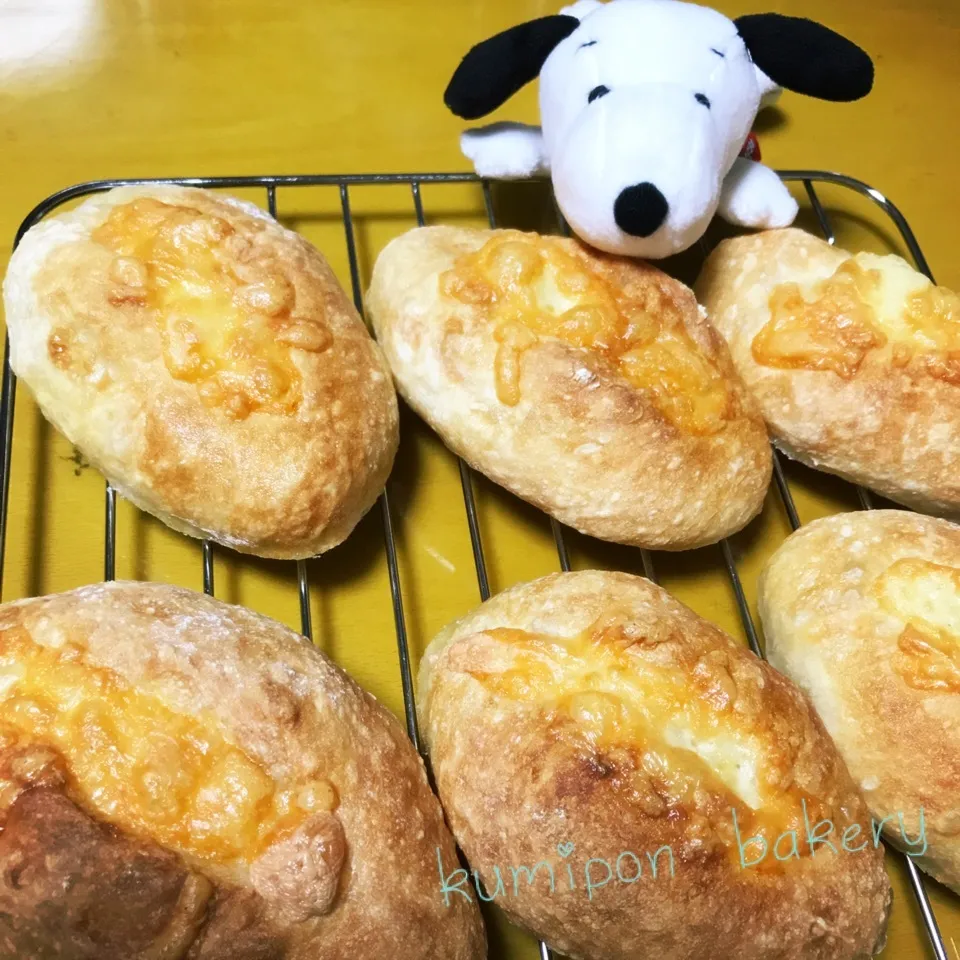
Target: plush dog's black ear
[
  {"x": 805, "y": 57},
  {"x": 493, "y": 71}
]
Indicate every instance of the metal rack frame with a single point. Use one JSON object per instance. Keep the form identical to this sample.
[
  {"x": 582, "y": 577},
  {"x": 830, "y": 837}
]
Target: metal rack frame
[{"x": 343, "y": 183}]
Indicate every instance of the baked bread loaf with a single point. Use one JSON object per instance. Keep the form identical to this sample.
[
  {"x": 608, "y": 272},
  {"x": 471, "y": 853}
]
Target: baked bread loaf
[
  {"x": 854, "y": 359},
  {"x": 589, "y": 385},
  {"x": 604, "y": 757},
  {"x": 180, "y": 778},
  {"x": 206, "y": 360},
  {"x": 862, "y": 610}
]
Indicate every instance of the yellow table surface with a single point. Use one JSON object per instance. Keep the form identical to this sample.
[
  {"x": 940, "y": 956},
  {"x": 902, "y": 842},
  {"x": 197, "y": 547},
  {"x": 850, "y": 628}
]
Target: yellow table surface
[{"x": 109, "y": 88}]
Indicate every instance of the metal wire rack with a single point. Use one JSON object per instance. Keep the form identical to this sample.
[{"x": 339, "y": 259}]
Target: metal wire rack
[{"x": 343, "y": 183}]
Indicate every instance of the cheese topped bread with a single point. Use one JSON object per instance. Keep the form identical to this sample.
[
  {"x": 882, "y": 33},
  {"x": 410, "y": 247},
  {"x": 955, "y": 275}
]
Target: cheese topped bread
[
  {"x": 853, "y": 358},
  {"x": 637, "y": 762},
  {"x": 862, "y": 610},
  {"x": 181, "y": 778},
  {"x": 206, "y": 360},
  {"x": 591, "y": 386}
]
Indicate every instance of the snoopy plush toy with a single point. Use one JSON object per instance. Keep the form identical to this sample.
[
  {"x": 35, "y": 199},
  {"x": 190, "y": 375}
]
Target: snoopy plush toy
[{"x": 645, "y": 108}]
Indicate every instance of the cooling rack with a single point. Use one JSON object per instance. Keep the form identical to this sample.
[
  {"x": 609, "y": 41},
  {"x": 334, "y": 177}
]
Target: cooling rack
[{"x": 343, "y": 183}]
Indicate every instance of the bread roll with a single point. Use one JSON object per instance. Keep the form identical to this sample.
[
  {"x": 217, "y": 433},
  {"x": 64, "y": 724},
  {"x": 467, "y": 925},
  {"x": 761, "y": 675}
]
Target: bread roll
[
  {"x": 863, "y": 611},
  {"x": 588, "y": 385},
  {"x": 180, "y": 778},
  {"x": 206, "y": 360},
  {"x": 855, "y": 360},
  {"x": 586, "y": 725}
]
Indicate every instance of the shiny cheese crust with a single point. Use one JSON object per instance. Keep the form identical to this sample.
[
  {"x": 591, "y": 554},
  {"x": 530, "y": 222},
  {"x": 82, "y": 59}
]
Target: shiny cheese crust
[
  {"x": 589, "y": 385},
  {"x": 151, "y": 737},
  {"x": 854, "y": 360},
  {"x": 206, "y": 360},
  {"x": 862, "y": 610},
  {"x": 591, "y": 708}
]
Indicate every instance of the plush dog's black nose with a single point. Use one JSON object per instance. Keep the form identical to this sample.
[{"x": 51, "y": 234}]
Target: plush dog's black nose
[{"x": 640, "y": 210}]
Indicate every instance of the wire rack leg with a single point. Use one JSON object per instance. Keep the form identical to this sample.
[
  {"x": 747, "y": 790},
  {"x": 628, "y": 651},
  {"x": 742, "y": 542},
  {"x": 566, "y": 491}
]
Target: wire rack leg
[
  {"x": 303, "y": 583},
  {"x": 403, "y": 646},
  {"x": 7, "y": 401},
  {"x": 786, "y": 497},
  {"x": 825, "y": 224},
  {"x": 110, "y": 534},
  {"x": 208, "y": 585},
  {"x": 742, "y": 606},
  {"x": 473, "y": 522}
]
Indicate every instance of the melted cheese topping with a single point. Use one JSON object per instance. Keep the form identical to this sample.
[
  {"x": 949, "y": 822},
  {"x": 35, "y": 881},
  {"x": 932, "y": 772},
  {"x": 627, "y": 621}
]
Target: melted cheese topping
[
  {"x": 927, "y": 597},
  {"x": 873, "y": 311},
  {"x": 227, "y": 319},
  {"x": 162, "y": 775},
  {"x": 533, "y": 289},
  {"x": 679, "y": 728}
]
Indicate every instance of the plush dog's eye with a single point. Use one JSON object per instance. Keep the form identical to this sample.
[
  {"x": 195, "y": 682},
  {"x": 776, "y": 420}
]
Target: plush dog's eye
[
  {"x": 702, "y": 98},
  {"x": 596, "y": 92}
]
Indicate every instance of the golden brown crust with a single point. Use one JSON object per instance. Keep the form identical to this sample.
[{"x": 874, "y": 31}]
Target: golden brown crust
[
  {"x": 844, "y": 377},
  {"x": 206, "y": 360},
  {"x": 357, "y": 878},
  {"x": 546, "y": 402},
  {"x": 76, "y": 888},
  {"x": 859, "y": 609},
  {"x": 592, "y": 709}
]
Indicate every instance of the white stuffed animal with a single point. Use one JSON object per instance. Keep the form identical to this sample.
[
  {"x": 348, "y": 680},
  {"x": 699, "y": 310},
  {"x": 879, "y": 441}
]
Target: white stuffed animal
[{"x": 645, "y": 107}]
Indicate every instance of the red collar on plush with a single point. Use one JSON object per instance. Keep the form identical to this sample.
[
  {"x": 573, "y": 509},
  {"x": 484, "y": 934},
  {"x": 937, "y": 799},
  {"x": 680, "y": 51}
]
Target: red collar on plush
[{"x": 751, "y": 149}]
